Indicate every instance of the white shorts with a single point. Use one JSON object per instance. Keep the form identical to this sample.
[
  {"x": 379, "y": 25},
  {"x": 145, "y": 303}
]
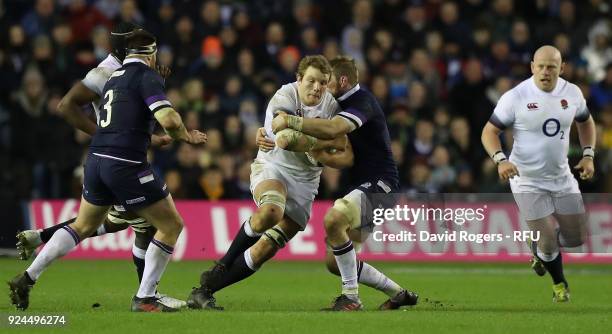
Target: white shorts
[
  {"x": 300, "y": 194},
  {"x": 541, "y": 198}
]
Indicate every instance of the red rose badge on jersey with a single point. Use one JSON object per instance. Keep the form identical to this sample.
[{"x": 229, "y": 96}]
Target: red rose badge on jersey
[{"x": 564, "y": 104}]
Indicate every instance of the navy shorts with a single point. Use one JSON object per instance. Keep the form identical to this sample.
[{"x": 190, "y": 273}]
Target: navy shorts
[
  {"x": 109, "y": 181},
  {"x": 379, "y": 193}
]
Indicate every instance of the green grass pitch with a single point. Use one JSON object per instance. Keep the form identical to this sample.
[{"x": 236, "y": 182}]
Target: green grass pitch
[{"x": 285, "y": 298}]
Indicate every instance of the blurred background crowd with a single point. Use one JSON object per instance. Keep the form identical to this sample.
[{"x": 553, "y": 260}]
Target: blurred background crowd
[{"x": 437, "y": 67}]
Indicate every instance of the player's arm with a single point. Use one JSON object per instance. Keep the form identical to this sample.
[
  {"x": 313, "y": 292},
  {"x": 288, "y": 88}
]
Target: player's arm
[
  {"x": 492, "y": 144},
  {"x": 586, "y": 135},
  {"x": 295, "y": 141},
  {"x": 338, "y": 159},
  {"x": 152, "y": 92},
  {"x": 316, "y": 127},
  {"x": 70, "y": 107},
  {"x": 174, "y": 127}
]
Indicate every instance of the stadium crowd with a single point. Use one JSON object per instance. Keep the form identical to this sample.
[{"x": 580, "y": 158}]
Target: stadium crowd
[{"x": 437, "y": 67}]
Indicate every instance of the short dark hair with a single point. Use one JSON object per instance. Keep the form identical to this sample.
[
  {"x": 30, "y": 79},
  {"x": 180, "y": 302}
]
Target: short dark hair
[
  {"x": 140, "y": 42},
  {"x": 118, "y": 36},
  {"x": 345, "y": 66},
  {"x": 317, "y": 61}
]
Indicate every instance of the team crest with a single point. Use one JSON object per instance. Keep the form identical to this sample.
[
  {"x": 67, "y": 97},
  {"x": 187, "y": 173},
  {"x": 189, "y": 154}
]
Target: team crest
[
  {"x": 564, "y": 104},
  {"x": 299, "y": 112}
]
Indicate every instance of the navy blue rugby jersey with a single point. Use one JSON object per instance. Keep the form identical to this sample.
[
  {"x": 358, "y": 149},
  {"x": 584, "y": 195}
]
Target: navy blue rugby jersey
[
  {"x": 131, "y": 96},
  {"x": 370, "y": 140}
]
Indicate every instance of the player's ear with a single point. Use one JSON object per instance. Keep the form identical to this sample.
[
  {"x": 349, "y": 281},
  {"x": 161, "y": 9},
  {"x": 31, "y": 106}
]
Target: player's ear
[
  {"x": 562, "y": 68},
  {"x": 532, "y": 67},
  {"x": 298, "y": 77}
]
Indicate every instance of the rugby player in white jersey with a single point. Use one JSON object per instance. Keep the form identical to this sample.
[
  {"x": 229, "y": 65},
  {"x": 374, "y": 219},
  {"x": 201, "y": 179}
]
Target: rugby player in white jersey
[
  {"x": 283, "y": 184},
  {"x": 89, "y": 90},
  {"x": 540, "y": 111},
  {"x": 373, "y": 179}
]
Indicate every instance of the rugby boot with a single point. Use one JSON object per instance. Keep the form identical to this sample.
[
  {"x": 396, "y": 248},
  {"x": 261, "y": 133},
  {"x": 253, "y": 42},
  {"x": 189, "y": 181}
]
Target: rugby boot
[
  {"x": 27, "y": 242},
  {"x": 345, "y": 303},
  {"x": 403, "y": 298},
  {"x": 20, "y": 287},
  {"x": 150, "y": 304},
  {"x": 202, "y": 299},
  {"x": 561, "y": 293},
  {"x": 170, "y": 301}
]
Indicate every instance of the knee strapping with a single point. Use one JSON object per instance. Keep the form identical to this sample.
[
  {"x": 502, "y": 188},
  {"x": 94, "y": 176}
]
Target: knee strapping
[
  {"x": 351, "y": 211},
  {"x": 273, "y": 197},
  {"x": 277, "y": 236}
]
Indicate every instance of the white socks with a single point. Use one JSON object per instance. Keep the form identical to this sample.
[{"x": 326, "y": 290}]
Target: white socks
[
  {"x": 156, "y": 259},
  {"x": 249, "y": 260},
  {"x": 346, "y": 259},
  {"x": 547, "y": 257},
  {"x": 373, "y": 278},
  {"x": 62, "y": 241},
  {"x": 249, "y": 231}
]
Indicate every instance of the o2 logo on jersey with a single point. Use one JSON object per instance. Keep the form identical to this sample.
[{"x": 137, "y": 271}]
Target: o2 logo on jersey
[{"x": 552, "y": 127}]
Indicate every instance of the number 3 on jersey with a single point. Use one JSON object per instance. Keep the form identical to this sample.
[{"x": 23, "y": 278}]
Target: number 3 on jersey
[{"x": 107, "y": 107}]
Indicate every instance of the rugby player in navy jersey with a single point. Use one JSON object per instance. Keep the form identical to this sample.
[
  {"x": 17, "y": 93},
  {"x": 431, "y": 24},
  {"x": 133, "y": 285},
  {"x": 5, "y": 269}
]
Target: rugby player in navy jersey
[
  {"x": 89, "y": 91},
  {"x": 373, "y": 172},
  {"x": 116, "y": 171}
]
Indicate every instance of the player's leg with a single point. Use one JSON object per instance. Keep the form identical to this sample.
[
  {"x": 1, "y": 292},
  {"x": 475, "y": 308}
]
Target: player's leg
[
  {"x": 169, "y": 224},
  {"x": 571, "y": 215},
  {"x": 269, "y": 193},
  {"x": 264, "y": 249},
  {"x": 29, "y": 240},
  {"x": 572, "y": 230},
  {"x": 144, "y": 233},
  {"x": 245, "y": 265},
  {"x": 90, "y": 217},
  {"x": 270, "y": 196},
  {"x": 348, "y": 212},
  {"x": 143, "y": 236},
  {"x": 534, "y": 203},
  {"x": 337, "y": 223},
  {"x": 368, "y": 275},
  {"x": 549, "y": 253}
]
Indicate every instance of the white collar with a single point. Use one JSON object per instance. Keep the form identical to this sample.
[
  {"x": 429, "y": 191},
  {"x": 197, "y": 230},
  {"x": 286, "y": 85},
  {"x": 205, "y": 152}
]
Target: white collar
[
  {"x": 349, "y": 93},
  {"x": 560, "y": 84},
  {"x": 134, "y": 60}
]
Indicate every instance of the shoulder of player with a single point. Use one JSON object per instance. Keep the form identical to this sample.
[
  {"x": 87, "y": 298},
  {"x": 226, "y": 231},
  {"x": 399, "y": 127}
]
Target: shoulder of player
[
  {"x": 148, "y": 74},
  {"x": 286, "y": 93},
  {"x": 571, "y": 88},
  {"x": 289, "y": 90},
  {"x": 99, "y": 72},
  {"x": 514, "y": 93}
]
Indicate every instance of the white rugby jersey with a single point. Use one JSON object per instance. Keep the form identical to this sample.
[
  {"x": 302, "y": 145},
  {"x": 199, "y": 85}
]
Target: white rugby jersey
[
  {"x": 541, "y": 124},
  {"x": 96, "y": 79},
  {"x": 286, "y": 99}
]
